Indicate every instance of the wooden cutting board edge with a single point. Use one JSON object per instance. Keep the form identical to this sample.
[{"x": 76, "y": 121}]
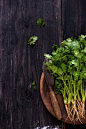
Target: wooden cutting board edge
[{"x": 46, "y": 100}]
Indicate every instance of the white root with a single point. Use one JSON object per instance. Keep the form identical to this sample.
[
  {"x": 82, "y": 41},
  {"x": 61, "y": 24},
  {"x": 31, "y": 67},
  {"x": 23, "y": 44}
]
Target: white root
[{"x": 75, "y": 111}]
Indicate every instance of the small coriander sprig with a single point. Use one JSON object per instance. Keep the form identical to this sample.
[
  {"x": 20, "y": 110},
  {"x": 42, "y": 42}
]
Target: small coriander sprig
[
  {"x": 32, "y": 40},
  {"x": 40, "y": 22},
  {"x": 34, "y": 85}
]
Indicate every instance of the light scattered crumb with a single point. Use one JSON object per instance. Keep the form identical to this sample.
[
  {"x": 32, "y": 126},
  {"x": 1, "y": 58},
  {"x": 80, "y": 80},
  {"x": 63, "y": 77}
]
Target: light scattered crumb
[{"x": 48, "y": 127}]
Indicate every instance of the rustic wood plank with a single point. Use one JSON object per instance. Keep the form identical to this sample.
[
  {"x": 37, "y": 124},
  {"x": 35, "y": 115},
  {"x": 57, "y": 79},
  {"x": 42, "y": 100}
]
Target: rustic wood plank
[
  {"x": 73, "y": 24},
  {"x": 20, "y": 106},
  {"x": 72, "y": 20}
]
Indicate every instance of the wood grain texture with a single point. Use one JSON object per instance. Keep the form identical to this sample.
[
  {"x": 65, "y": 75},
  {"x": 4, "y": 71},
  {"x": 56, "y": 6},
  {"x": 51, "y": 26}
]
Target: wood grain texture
[
  {"x": 73, "y": 24},
  {"x": 73, "y": 18},
  {"x": 20, "y": 64}
]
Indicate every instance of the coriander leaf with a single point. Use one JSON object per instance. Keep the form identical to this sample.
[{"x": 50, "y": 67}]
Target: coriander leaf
[
  {"x": 84, "y": 58},
  {"x": 55, "y": 47},
  {"x": 53, "y": 53},
  {"x": 76, "y": 75},
  {"x": 82, "y": 36},
  {"x": 65, "y": 43},
  {"x": 32, "y": 40},
  {"x": 84, "y": 75},
  {"x": 40, "y": 22},
  {"x": 33, "y": 83},
  {"x": 59, "y": 71},
  {"x": 48, "y": 56},
  {"x": 63, "y": 67},
  {"x": 74, "y": 62},
  {"x": 76, "y": 52},
  {"x": 84, "y": 50},
  {"x": 34, "y": 87},
  {"x": 69, "y": 40},
  {"x": 79, "y": 82}
]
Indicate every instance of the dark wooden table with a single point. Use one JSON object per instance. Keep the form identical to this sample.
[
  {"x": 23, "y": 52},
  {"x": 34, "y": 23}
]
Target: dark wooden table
[{"x": 21, "y": 107}]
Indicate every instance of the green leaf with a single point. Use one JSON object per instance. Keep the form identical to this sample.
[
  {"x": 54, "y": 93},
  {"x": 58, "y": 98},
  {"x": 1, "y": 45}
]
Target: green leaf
[
  {"x": 55, "y": 47},
  {"x": 70, "y": 69},
  {"x": 74, "y": 62},
  {"x": 48, "y": 56},
  {"x": 54, "y": 69},
  {"x": 65, "y": 43},
  {"x": 84, "y": 75},
  {"x": 79, "y": 56},
  {"x": 81, "y": 76},
  {"x": 33, "y": 83},
  {"x": 82, "y": 36},
  {"x": 34, "y": 87},
  {"x": 59, "y": 78},
  {"x": 79, "y": 82},
  {"x": 56, "y": 82},
  {"x": 84, "y": 58},
  {"x": 76, "y": 75},
  {"x": 84, "y": 50},
  {"x": 56, "y": 57},
  {"x": 32, "y": 40},
  {"x": 76, "y": 52},
  {"x": 40, "y": 22},
  {"x": 75, "y": 45},
  {"x": 69, "y": 40},
  {"x": 63, "y": 67},
  {"x": 59, "y": 71},
  {"x": 64, "y": 58},
  {"x": 53, "y": 53}
]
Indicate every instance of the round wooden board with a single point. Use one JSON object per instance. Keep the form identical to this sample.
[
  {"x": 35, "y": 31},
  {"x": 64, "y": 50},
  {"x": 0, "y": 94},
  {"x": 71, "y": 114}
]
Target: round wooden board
[{"x": 44, "y": 91}]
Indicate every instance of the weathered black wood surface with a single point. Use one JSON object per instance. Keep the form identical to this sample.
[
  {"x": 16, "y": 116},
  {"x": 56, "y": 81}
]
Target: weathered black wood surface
[{"x": 20, "y": 64}]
